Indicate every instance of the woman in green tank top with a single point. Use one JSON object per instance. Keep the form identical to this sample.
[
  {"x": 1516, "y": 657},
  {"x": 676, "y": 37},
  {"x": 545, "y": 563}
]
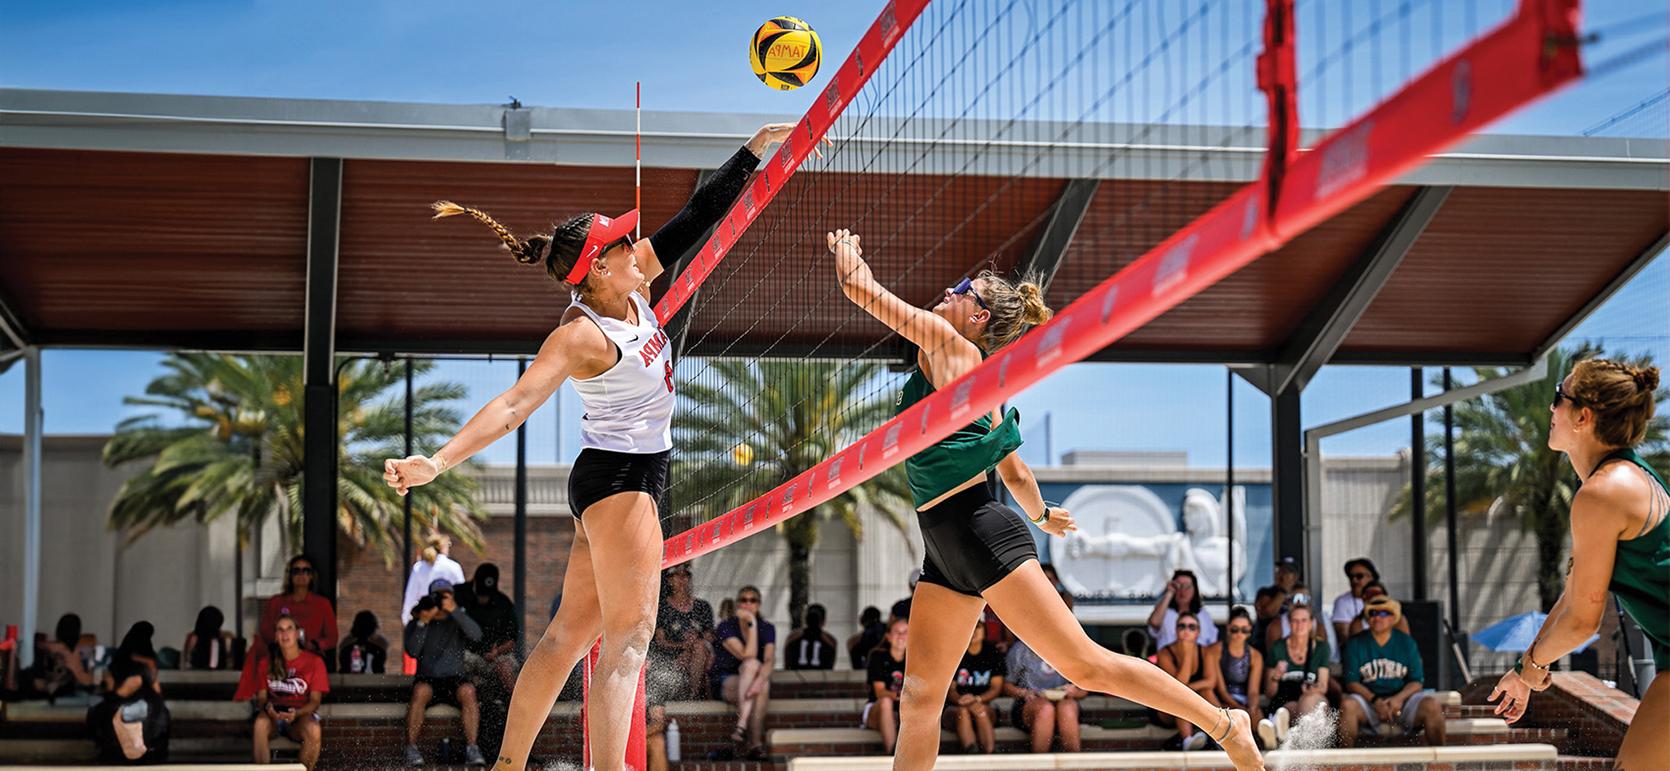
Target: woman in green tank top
[
  {"x": 1620, "y": 543},
  {"x": 977, "y": 550}
]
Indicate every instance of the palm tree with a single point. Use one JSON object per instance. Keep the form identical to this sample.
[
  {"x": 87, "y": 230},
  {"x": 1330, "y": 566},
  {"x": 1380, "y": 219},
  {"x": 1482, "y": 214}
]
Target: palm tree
[
  {"x": 229, "y": 441},
  {"x": 750, "y": 426},
  {"x": 1503, "y": 464}
]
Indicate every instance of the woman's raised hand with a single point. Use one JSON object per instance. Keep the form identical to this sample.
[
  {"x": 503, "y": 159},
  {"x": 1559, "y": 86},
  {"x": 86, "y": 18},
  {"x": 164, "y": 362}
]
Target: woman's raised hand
[{"x": 844, "y": 239}]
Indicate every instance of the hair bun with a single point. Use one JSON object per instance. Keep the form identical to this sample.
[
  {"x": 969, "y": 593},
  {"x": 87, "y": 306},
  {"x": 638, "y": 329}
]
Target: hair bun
[
  {"x": 1646, "y": 379},
  {"x": 532, "y": 251},
  {"x": 1033, "y": 309}
]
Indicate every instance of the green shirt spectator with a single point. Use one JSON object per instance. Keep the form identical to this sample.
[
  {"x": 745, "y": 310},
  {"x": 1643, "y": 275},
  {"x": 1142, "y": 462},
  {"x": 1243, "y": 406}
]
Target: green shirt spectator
[{"x": 1383, "y": 669}]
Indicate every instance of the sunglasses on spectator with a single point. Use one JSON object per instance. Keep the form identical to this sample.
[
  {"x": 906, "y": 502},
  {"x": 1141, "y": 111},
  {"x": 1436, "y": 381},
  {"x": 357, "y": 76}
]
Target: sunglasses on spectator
[
  {"x": 748, "y": 600},
  {"x": 966, "y": 286},
  {"x": 1187, "y": 627},
  {"x": 1240, "y": 630},
  {"x": 1379, "y": 614},
  {"x": 301, "y": 571}
]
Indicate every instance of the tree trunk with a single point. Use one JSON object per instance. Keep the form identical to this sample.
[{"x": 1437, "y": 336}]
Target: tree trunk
[
  {"x": 800, "y": 581},
  {"x": 1551, "y": 545}
]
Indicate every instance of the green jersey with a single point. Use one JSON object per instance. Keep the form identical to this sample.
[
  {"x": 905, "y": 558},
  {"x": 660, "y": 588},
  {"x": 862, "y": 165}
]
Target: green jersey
[
  {"x": 1641, "y": 572},
  {"x": 1383, "y": 669}
]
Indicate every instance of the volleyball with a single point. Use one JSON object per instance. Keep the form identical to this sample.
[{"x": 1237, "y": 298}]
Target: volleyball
[
  {"x": 785, "y": 53},
  {"x": 743, "y": 454}
]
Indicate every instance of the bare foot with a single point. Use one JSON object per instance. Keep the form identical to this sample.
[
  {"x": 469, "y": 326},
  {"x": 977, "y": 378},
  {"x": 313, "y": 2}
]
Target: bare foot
[{"x": 1240, "y": 745}]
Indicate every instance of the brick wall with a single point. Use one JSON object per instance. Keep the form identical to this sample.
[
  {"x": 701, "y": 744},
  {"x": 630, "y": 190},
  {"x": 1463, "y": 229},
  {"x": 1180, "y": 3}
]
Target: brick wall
[
  {"x": 1594, "y": 715},
  {"x": 364, "y": 582}
]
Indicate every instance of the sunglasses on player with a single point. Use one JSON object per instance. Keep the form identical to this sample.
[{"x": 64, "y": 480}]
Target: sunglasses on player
[{"x": 966, "y": 286}]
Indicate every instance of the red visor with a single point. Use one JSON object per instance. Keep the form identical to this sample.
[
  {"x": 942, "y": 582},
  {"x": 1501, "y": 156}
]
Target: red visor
[{"x": 604, "y": 231}]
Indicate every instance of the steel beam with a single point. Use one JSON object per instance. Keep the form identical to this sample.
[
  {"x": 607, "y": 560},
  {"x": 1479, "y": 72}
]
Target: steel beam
[
  {"x": 1319, "y": 336},
  {"x": 1624, "y": 276},
  {"x": 33, "y": 455},
  {"x": 319, "y": 445},
  {"x": 1064, "y": 221},
  {"x": 11, "y": 324}
]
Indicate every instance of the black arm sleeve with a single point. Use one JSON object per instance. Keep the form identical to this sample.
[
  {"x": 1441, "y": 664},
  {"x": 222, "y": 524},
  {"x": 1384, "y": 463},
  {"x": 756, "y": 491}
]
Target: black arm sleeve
[{"x": 706, "y": 206}]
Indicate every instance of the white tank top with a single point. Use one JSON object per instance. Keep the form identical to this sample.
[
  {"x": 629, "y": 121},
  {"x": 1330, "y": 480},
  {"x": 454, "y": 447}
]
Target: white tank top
[{"x": 629, "y": 408}]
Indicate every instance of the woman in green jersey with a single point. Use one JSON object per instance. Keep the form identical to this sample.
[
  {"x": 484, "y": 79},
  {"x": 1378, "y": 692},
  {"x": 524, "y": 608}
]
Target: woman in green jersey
[
  {"x": 1620, "y": 541},
  {"x": 977, "y": 550}
]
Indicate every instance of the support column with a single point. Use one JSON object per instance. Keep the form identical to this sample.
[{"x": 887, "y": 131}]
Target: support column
[
  {"x": 34, "y": 420},
  {"x": 1287, "y": 461},
  {"x": 319, "y": 443},
  {"x": 1417, "y": 490}
]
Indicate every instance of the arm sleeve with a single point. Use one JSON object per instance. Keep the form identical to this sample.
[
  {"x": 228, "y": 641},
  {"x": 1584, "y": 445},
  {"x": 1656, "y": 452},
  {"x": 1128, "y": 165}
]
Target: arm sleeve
[
  {"x": 467, "y": 625},
  {"x": 706, "y": 206},
  {"x": 414, "y": 637}
]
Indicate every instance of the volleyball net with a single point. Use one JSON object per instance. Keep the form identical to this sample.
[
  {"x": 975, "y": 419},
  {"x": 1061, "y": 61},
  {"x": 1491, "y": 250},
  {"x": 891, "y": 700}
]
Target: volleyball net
[{"x": 1125, "y": 155}]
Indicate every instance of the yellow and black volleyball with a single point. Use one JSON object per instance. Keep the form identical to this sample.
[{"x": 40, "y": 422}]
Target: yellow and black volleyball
[{"x": 785, "y": 53}]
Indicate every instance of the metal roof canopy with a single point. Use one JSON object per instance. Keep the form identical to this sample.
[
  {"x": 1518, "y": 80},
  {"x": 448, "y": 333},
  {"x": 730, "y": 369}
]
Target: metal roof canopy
[{"x": 166, "y": 221}]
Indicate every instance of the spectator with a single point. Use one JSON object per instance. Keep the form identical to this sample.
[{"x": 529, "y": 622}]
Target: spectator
[
  {"x": 1360, "y": 572},
  {"x": 901, "y": 609},
  {"x": 1279, "y": 629},
  {"x": 1287, "y": 576},
  {"x": 884, "y": 679},
  {"x": 809, "y": 647},
  {"x": 363, "y": 651},
  {"x": 131, "y": 725},
  {"x": 314, "y": 615},
  {"x": 998, "y": 634},
  {"x": 1240, "y": 667},
  {"x": 742, "y": 670},
  {"x": 1180, "y": 596},
  {"x": 871, "y": 633},
  {"x": 58, "y": 668},
  {"x": 1046, "y": 705},
  {"x": 293, "y": 684},
  {"x": 435, "y": 562},
  {"x": 1297, "y": 675},
  {"x": 1383, "y": 676},
  {"x": 495, "y": 654},
  {"x": 1358, "y": 624},
  {"x": 968, "y": 705},
  {"x": 436, "y": 637},
  {"x": 682, "y": 649},
  {"x": 207, "y": 645},
  {"x": 1267, "y": 610},
  {"x": 1185, "y": 660}
]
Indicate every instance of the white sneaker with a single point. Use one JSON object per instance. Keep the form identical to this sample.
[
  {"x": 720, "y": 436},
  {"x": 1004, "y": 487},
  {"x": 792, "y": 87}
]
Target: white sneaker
[
  {"x": 1196, "y": 741},
  {"x": 414, "y": 758},
  {"x": 1283, "y": 720},
  {"x": 1267, "y": 734}
]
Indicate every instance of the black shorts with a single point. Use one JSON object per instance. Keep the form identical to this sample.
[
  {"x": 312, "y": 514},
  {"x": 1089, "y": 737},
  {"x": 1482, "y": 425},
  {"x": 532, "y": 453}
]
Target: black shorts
[
  {"x": 445, "y": 689},
  {"x": 972, "y": 542},
  {"x": 598, "y": 474}
]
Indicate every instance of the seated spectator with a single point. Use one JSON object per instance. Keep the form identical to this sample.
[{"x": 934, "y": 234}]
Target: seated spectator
[
  {"x": 1046, "y": 705},
  {"x": 1180, "y": 596},
  {"x": 1287, "y": 577},
  {"x": 1279, "y": 629},
  {"x": 131, "y": 725},
  {"x": 901, "y": 609},
  {"x": 208, "y": 646},
  {"x": 1267, "y": 610},
  {"x": 1358, "y": 624},
  {"x": 363, "y": 651},
  {"x": 968, "y": 704},
  {"x": 315, "y": 616},
  {"x": 434, "y": 562},
  {"x": 436, "y": 637},
  {"x": 742, "y": 670},
  {"x": 1240, "y": 667},
  {"x": 1383, "y": 675},
  {"x": 809, "y": 647},
  {"x": 884, "y": 680},
  {"x": 293, "y": 683},
  {"x": 493, "y": 658},
  {"x": 1296, "y": 677},
  {"x": 1359, "y": 572},
  {"x": 1185, "y": 660},
  {"x": 998, "y": 634},
  {"x": 59, "y": 668},
  {"x": 871, "y": 633},
  {"x": 681, "y": 652}
]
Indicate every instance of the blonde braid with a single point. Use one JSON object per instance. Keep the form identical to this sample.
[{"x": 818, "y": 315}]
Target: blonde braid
[{"x": 527, "y": 252}]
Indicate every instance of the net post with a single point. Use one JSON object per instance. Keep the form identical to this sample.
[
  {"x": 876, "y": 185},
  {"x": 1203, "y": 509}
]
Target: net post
[
  {"x": 587, "y": 666},
  {"x": 636, "y": 738},
  {"x": 1278, "y": 79}
]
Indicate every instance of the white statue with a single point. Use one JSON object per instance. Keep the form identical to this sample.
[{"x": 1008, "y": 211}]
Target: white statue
[{"x": 1152, "y": 550}]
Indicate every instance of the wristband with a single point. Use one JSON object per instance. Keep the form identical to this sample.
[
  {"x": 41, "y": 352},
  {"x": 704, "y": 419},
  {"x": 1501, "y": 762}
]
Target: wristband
[{"x": 439, "y": 459}]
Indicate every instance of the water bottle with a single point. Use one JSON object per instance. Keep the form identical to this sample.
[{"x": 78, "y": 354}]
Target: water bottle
[
  {"x": 673, "y": 752},
  {"x": 356, "y": 660},
  {"x": 446, "y": 750}
]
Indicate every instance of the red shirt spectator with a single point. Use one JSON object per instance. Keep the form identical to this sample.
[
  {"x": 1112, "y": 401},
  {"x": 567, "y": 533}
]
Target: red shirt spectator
[
  {"x": 314, "y": 615},
  {"x": 305, "y": 675}
]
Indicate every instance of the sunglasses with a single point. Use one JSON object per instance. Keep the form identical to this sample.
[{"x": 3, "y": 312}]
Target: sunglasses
[
  {"x": 1240, "y": 630},
  {"x": 966, "y": 287},
  {"x": 1560, "y": 395},
  {"x": 1188, "y": 628},
  {"x": 301, "y": 571},
  {"x": 748, "y": 600},
  {"x": 1379, "y": 614}
]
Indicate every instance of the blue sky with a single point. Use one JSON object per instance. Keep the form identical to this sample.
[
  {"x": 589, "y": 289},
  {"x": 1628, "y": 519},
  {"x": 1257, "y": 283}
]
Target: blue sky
[{"x": 691, "y": 56}]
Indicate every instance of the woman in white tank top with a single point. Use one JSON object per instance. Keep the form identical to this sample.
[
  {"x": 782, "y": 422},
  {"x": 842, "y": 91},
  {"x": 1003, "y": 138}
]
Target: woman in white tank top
[{"x": 611, "y": 346}]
